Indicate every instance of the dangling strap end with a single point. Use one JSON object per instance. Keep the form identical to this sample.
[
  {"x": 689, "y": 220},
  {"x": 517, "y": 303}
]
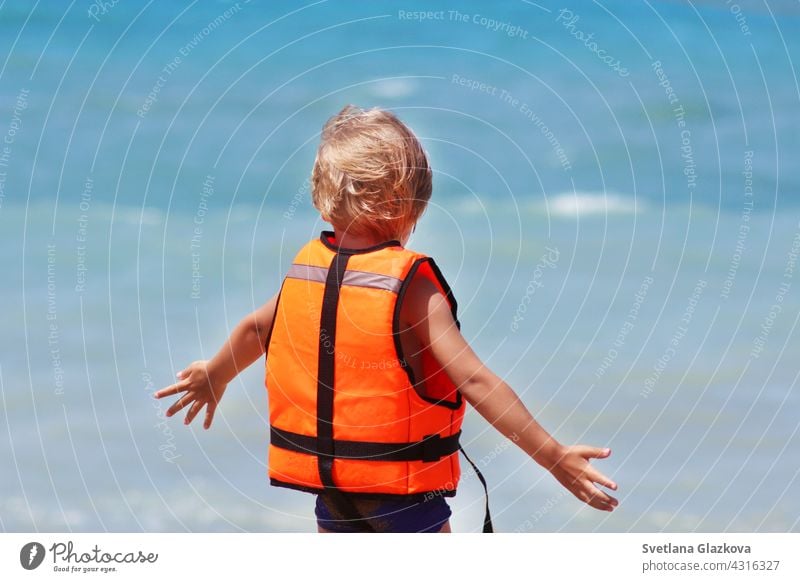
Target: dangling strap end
[{"x": 487, "y": 518}]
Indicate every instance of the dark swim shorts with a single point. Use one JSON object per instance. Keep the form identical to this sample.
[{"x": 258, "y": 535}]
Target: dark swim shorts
[{"x": 401, "y": 515}]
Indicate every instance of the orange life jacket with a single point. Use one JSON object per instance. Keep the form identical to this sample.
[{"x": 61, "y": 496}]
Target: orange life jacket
[{"x": 343, "y": 409}]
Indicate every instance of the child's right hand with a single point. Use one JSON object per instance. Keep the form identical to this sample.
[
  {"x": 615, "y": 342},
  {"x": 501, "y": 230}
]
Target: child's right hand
[
  {"x": 573, "y": 471},
  {"x": 202, "y": 389}
]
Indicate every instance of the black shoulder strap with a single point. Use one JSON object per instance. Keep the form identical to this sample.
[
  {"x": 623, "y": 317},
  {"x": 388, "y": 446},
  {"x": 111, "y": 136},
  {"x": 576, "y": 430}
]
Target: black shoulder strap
[{"x": 326, "y": 361}]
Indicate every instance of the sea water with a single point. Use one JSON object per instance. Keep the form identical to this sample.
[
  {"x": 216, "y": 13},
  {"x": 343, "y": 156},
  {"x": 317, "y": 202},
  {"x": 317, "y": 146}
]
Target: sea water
[{"x": 615, "y": 207}]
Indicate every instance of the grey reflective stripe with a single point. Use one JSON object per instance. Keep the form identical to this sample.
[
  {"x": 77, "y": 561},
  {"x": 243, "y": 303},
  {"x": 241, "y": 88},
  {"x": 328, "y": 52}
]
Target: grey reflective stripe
[
  {"x": 374, "y": 280},
  {"x": 308, "y": 272},
  {"x": 355, "y": 278}
]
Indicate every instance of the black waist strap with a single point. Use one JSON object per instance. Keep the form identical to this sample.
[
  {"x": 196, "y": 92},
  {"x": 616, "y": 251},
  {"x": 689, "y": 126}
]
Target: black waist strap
[{"x": 431, "y": 448}]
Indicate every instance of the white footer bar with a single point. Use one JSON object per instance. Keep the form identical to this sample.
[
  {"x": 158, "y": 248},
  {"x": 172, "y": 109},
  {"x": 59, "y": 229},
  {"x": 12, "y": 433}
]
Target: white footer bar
[{"x": 390, "y": 557}]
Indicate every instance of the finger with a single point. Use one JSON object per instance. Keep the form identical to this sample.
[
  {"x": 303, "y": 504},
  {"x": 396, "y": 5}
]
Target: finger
[
  {"x": 186, "y": 372},
  {"x": 594, "y": 501},
  {"x": 186, "y": 399},
  {"x": 188, "y": 369},
  {"x": 193, "y": 410},
  {"x": 601, "y": 505},
  {"x": 592, "y": 452},
  {"x": 598, "y": 477},
  {"x": 172, "y": 389},
  {"x": 596, "y": 494},
  {"x": 210, "y": 409}
]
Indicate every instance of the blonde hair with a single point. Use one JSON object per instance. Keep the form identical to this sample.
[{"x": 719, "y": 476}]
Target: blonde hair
[{"x": 371, "y": 176}]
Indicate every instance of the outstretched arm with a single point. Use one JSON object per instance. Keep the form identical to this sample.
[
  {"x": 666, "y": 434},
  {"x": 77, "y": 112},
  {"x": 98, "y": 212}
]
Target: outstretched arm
[
  {"x": 427, "y": 312},
  {"x": 246, "y": 343},
  {"x": 205, "y": 381}
]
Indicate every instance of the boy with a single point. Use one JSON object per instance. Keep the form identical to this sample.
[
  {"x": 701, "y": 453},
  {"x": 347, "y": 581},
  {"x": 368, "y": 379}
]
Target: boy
[{"x": 366, "y": 366}]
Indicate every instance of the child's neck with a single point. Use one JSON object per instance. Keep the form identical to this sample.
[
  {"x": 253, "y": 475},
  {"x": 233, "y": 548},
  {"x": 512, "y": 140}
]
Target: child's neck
[{"x": 350, "y": 241}]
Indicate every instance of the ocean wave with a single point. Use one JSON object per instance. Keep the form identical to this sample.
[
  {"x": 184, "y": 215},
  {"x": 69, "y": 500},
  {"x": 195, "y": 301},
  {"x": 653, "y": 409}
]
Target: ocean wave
[
  {"x": 147, "y": 216},
  {"x": 397, "y": 87},
  {"x": 581, "y": 203}
]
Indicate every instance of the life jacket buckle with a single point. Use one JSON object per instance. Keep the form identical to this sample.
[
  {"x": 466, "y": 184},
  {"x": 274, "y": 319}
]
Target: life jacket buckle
[{"x": 431, "y": 448}]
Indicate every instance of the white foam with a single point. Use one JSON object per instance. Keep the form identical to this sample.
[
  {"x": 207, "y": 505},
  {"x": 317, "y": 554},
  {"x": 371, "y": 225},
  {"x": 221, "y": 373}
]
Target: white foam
[
  {"x": 394, "y": 88},
  {"x": 471, "y": 205},
  {"x": 147, "y": 216},
  {"x": 573, "y": 204}
]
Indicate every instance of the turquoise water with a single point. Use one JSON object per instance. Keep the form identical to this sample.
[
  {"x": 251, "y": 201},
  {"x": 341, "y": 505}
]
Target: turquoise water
[{"x": 619, "y": 222}]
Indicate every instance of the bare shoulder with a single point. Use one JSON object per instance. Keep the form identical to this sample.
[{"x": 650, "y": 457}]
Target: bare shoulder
[
  {"x": 424, "y": 304},
  {"x": 427, "y": 313}
]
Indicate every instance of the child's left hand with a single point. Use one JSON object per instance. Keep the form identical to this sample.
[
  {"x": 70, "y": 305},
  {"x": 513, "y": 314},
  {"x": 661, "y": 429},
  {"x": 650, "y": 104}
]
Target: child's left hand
[
  {"x": 202, "y": 389},
  {"x": 573, "y": 470}
]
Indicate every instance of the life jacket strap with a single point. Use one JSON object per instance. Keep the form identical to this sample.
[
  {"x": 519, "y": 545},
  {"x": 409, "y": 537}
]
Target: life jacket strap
[
  {"x": 325, "y": 388},
  {"x": 487, "y": 518},
  {"x": 430, "y": 449}
]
